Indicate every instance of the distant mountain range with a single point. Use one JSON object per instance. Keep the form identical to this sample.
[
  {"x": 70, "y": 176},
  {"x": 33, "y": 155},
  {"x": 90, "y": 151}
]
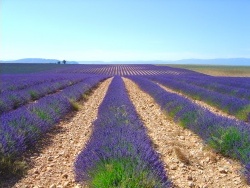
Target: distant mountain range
[
  {"x": 222, "y": 61},
  {"x": 38, "y": 60},
  {"x": 219, "y": 61}
]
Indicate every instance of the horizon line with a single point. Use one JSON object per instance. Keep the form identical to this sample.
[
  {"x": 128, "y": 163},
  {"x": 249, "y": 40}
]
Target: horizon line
[{"x": 222, "y": 58}]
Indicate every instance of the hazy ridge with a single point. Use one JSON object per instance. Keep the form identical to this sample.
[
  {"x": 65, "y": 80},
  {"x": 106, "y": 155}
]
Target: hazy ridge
[
  {"x": 38, "y": 60},
  {"x": 219, "y": 61}
]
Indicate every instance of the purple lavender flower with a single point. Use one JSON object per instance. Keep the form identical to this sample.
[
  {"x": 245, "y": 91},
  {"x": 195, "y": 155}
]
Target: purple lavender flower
[
  {"x": 232, "y": 105},
  {"x": 120, "y": 136},
  {"x": 231, "y": 137},
  {"x": 21, "y": 128}
]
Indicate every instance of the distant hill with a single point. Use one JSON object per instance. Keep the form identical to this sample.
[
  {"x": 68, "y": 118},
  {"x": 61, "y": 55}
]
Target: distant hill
[
  {"x": 222, "y": 61},
  {"x": 219, "y": 61},
  {"x": 93, "y": 62},
  {"x": 38, "y": 60}
]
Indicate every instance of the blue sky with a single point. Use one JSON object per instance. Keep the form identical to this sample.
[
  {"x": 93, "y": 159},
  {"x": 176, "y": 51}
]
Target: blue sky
[{"x": 111, "y": 30}]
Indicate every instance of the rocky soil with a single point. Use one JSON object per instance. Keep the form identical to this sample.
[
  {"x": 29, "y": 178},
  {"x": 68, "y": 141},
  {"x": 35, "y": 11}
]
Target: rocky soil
[
  {"x": 53, "y": 166},
  {"x": 188, "y": 162}
]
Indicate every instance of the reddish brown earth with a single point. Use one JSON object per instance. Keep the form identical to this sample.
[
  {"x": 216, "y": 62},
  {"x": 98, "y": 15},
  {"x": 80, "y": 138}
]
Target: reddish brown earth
[{"x": 188, "y": 162}]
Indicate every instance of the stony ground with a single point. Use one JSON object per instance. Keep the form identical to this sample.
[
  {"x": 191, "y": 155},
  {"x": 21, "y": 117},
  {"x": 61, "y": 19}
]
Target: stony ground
[
  {"x": 188, "y": 162},
  {"x": 53, "y": 167}
]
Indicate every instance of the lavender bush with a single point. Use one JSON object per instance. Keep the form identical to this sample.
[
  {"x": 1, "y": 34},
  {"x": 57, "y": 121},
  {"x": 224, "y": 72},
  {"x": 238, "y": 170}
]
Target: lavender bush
[
  {"x": 239, "y": 82},
  {"x": 14, "y": 82},
  {"x": 229, "y": 104},
  {"x": 131, "y": 69},
  {"x": 11, "y": 141},
  {"x": 76, "y": 92},
  {"x": 228, "y": 136},
  {"x": 13, "y": 99},
  {"x": 210, "y": 83},
  {"x": 22, "y": 127},
  {"x": 10, "y": 100},
  {"x": 119, "y": 152}
]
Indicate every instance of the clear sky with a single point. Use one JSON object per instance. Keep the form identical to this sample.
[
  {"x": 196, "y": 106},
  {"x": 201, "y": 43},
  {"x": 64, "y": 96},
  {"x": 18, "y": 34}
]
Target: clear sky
[{"x": 111, "y": 30}]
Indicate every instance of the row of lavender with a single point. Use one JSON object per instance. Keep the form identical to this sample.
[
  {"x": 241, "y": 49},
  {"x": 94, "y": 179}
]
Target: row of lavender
[
  {"x": 12, "y": 82},
  {"x": 232, "y": 105},
  {"x": 240, "y": 82},
  {"x": 119, "y": 152},
  {"x": 20, "y": 128},
  {"x": 237, "y": 82},
  {"x": 131, "y": 69},
  {"x": 10, "y": 100},
  {"x": 230, "y": 137},
  {"x": 219, "y": 85}
]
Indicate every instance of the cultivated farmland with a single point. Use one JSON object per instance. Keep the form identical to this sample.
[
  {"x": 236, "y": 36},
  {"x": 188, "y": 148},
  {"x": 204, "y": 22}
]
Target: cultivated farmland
[{"x": 123, "y": 126}]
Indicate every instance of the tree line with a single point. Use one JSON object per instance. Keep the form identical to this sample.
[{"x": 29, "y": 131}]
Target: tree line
[{"x": 61, "y": 62}]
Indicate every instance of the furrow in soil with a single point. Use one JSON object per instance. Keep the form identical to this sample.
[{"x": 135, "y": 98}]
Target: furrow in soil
[
  {"x": 188, "y": 162},
  {"x": 54, "y": 165}
]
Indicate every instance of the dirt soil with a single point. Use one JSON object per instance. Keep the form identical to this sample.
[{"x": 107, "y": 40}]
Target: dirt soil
[
  {"x": 188, "y": 162},
  {"x": 53, "y": 166}
]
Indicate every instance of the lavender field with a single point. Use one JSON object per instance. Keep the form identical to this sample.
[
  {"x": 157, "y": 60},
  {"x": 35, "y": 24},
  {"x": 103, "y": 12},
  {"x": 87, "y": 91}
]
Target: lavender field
[{"x": 118, "y": 147}]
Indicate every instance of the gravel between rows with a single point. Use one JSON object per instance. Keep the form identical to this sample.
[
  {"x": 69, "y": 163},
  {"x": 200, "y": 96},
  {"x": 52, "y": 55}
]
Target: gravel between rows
[
  {"x": 53, "y": 167},
  {"x": 188, "y": 162}
]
